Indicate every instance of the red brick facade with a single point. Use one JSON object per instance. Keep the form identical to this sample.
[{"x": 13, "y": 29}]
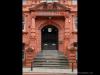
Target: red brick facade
[{"x": 37, "y": 14}]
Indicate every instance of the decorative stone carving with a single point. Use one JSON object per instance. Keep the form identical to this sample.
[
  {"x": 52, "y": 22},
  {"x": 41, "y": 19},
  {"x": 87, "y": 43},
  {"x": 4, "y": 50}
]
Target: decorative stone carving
[
  {"x": 50, "y": 6},
  {"x": 29, "y": 50}
]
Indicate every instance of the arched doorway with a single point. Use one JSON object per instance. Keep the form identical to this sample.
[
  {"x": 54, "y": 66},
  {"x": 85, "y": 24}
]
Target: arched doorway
[{"x": 49, "y": 38}]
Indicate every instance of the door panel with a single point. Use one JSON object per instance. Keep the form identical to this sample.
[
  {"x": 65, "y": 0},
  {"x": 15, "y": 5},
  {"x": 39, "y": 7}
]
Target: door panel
[
  {"x": 49, "y": 39},
  {"x": 50, "y": 46}
]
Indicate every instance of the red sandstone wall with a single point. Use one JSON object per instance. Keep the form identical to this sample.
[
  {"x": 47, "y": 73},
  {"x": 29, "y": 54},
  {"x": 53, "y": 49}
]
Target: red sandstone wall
[{"x": 42, "y": 21}]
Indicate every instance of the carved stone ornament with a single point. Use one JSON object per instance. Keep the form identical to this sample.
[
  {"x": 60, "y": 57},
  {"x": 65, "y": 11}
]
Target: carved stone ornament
[
  {"x": 29, "y": 49},
  {"x": 72, "y": 48}
]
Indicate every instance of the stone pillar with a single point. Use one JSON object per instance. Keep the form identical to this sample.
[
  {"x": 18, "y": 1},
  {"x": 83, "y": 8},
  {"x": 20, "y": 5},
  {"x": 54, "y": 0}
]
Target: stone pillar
[
  {"x": 71, "y": 29},
  {"x": 71, "y": 54},
  {"x": 67, "y": 34},
  {"x": 28, "y": 24},
  {"x": 31, "y": 50},
  {"x": 32, "y": 33}
]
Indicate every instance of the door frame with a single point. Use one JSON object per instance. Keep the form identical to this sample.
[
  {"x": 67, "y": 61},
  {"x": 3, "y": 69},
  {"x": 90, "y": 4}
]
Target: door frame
[{"x": 57, "y": 34}]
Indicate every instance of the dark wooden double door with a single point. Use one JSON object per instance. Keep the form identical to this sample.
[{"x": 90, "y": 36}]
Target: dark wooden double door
[{"x": 49, "y": 38}]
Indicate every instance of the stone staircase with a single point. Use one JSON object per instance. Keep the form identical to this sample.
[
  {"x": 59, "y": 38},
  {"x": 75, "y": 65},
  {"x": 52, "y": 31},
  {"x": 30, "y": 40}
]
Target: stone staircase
[{"x": 50, "y": 59}]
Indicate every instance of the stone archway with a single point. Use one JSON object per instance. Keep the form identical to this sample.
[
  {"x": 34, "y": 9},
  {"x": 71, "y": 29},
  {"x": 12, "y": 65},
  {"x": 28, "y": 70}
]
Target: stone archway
[{"x": 60, "y": 34}]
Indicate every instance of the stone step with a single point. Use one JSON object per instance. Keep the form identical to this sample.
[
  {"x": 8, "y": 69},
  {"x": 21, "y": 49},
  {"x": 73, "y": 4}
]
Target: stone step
[
  {"x": 50, "y": 66},
  {"x": 55, "y": 63},
  {"x": 47, "y": 62},
  {"x": 49, "y": 58},
  {"x": 54, "y": 56},
  {"x": 50, "y": 52},
  {"x": 51, "y": 55},
  {"x": 50, "y": 61}
]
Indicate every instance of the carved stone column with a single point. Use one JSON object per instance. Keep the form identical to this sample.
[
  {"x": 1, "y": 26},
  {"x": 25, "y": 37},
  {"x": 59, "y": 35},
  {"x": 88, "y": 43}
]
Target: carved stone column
[
  {"x": 30, "y": 51},
  {"x": 67, "y": 34},
  {"x": 32, "y": 33},
  {"x": 71, "y": 29}
]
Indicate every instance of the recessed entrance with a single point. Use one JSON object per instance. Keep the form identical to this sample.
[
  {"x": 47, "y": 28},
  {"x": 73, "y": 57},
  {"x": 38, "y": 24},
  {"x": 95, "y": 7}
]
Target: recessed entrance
[{"x": 49, "y": 38}]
